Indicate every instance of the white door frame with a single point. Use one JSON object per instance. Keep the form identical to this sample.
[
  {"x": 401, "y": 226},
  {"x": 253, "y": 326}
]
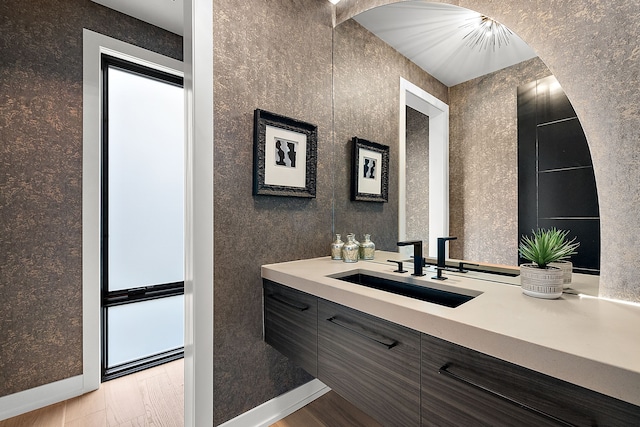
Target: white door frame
[
  {"x": 198, "y": 86},
  {"x": 94, "y": 46},
  {"x": 438, "y": 113},
  {"x": 199, "y": 263}
]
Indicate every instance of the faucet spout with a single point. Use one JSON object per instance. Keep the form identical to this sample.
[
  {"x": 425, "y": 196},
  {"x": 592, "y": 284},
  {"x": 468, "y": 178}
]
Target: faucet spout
[
  {"x": 418, "y": 259},
  {"x": 441, "y": 242}
]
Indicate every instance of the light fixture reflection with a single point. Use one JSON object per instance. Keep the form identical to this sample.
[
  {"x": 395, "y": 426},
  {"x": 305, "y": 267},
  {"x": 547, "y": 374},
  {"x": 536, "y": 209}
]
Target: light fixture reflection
[
  {"x": 631, "y": 303},
  {"x": 486, "y": 33}
]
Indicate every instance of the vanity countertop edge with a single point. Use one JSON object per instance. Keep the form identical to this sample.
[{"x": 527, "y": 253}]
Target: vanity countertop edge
[{"x": 587, "y": 341}]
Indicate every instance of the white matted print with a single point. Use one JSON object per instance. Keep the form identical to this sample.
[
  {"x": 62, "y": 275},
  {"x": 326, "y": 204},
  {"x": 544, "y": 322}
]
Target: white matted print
[
  {"x": 369, "y": 163},
  {"x": 285, "y": 153},
  {"x": 285, "y": 157},
  {"x": 369, "y": 171}
]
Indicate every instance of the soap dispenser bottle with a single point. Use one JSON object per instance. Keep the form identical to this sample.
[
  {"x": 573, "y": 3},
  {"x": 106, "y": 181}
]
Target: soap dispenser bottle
[
  {"x": 351, "y": 249},
  {"x": 367, "y": 248},
  {"x": 336, "y": 248}
]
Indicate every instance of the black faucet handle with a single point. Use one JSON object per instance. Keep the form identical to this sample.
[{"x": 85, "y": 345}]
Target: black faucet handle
[
  {"x": 400, "y": 269},
  {"x": 461, "y": 265},
  {"x": 410, "y": 243}
]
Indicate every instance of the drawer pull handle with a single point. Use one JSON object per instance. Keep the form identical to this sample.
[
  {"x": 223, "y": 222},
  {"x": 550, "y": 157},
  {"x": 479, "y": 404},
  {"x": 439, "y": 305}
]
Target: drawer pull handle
[
  {"x": 288, "y": 302},
  {"x": 370, "y": 335},
  {"x": 447, "y": 373}
]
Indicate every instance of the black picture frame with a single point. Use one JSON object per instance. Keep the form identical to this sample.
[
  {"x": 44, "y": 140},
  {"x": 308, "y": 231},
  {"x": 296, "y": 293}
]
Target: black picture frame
[
  {"x": 279, "y": 143},
  {"x": 369, "y": 171}
]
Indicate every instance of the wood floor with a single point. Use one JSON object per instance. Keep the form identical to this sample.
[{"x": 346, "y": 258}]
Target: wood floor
[
  {"x": 330, "y": 410},
  {"x": 154, "y": 397}
]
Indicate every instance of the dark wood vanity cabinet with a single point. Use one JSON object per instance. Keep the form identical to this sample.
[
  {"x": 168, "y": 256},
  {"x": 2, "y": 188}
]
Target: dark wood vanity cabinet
[
  {"x": 404, "y": 378},
  {"x": 463, "y": 387},
  {"x": 373, "y": 363},
  {"x": 291, "y": 324}
]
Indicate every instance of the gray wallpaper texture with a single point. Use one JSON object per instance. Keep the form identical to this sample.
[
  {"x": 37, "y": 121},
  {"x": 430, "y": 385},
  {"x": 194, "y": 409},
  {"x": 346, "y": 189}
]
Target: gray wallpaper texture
[
  {"x": 417, "y": 177},
  {"x": 276, "y": 56},
  {"x": 41, "y": 181}
]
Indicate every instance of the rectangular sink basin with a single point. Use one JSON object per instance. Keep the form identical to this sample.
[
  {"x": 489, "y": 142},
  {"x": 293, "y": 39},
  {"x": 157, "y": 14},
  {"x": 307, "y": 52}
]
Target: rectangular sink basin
[{"x": 423, "y": 293}]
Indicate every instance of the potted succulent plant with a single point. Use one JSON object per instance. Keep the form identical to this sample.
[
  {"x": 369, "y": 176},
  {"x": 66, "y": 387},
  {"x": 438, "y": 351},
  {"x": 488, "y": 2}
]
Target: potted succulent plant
[{"x": 540, "y": 278}]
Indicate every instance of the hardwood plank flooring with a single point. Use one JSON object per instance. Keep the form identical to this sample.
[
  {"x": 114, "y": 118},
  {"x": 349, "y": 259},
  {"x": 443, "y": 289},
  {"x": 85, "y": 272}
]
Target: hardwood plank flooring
[
  {"x": 51, "y": 416},
  {"x": 329, "y": 410},
  {"x": 153, "y": 397}
]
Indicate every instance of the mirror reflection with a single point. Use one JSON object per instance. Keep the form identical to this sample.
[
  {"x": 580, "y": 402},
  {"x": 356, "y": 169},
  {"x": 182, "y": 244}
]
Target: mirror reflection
[{"x": 478, "y": 69}]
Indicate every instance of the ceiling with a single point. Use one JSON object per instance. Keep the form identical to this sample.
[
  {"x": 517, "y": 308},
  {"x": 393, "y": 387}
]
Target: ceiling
[
  {"x": 165, "y": 14},
  {"x": 432, "y": 35}
]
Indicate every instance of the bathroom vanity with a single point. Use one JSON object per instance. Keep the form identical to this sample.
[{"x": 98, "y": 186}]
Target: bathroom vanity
[{"x": 496, "y": 358}]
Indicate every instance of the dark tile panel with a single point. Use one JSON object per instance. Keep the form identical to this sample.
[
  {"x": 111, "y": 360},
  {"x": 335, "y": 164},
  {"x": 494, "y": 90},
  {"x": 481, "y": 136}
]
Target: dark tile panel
[
  {"x": 562, "y": 145},
  {"x": 552, "y": 103},
  {"x": 587, "y": 233},
  {"x": 569, "y": 192},
  {"x": 527, "y": 160},
  {"x": 556, "y": 180}
]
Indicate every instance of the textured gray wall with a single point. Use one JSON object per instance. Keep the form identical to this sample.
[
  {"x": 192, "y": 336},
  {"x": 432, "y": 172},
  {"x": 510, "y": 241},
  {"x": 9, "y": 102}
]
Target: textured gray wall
[
  {"x": 483, "y": 163},
  {"x": 367, "y": 75},
  {"x": 592, "y": 47},
  {"x": 273, "y": 55},
  {"x": 417, "y": 175},
  {"x": 41, "y": 180}
]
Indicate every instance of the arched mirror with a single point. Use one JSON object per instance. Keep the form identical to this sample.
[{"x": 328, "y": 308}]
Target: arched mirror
[{"x": 488, "y": 78}]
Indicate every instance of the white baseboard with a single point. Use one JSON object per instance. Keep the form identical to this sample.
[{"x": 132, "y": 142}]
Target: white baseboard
[
  {"x": 279, "y": 407},
  {"x": 260, "y": 416},
  {"x": 39, "y": 397}
]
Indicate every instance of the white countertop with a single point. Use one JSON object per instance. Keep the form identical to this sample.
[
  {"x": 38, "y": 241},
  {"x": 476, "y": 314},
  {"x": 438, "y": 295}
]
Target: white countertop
[{"x": 584, "y": 340}]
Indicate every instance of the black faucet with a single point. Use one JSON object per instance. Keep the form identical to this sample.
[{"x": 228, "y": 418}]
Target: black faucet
[
  {"x": 418, "y": 260},
  {"x": 441, "y": 242}
]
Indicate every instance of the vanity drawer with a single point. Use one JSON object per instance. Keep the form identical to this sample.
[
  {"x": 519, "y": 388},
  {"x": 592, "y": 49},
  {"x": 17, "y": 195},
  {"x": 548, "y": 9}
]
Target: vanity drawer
[
  {"x": 464, "y": 387},
  {"x": 291, "y": 324},
  {"x": 372, "y": 363}
]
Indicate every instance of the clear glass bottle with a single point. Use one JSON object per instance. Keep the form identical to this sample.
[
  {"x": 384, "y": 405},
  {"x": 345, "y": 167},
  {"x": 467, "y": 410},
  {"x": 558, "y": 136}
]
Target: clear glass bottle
[
  {"x": 350, "y": 250},
  {"x": 367, "y": 248},
  {"x": 336, "y": 248}
]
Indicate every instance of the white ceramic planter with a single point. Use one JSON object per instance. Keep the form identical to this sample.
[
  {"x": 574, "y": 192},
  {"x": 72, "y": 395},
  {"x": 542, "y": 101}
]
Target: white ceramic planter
[
  {"x": 541, "y": 282},
  {"x": 567, "y": 270}
]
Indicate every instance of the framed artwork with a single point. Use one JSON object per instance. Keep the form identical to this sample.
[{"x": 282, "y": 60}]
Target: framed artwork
[
  {"x": 369, "y": 171},
  {"x": 285, "y": 155}
]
